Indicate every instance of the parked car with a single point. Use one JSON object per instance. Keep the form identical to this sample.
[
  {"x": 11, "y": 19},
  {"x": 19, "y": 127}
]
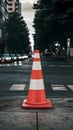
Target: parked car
[
  {"x": 5, "y": 58},
  {"x": 24, "y": 56},
  {"x": 18, "y": 57},
  {"x": 0, "y": 58},
  {"x": 48, "y": 54},
  {"x": 13, "y": 57}
]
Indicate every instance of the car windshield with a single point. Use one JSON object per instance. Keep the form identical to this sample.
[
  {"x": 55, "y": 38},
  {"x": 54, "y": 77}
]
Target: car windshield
[
  {"x": 12, "y": 55},
  {"x": 5, "y": 55}
]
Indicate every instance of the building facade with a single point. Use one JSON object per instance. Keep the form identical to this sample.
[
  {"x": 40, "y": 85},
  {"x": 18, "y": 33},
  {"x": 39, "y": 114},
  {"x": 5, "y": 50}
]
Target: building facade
[
  {"x": 6, "y": 8},
  {"x": 3, "y": 17},
  {"x": 13, "y": 6}
]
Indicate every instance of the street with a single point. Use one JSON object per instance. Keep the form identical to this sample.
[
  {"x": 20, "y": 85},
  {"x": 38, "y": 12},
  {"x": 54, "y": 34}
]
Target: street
[
  {"x": 36, "y": 65},
  {"x": 14, "y": 85},
  {"x": 58, "y": 79}
]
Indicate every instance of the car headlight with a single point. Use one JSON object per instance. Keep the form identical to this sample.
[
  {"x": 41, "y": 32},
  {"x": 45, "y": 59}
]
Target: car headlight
[
  {"x": 8, "y": 58},
  {"x": 14, "y": 58},
  {"x": 20, "y": 57}
]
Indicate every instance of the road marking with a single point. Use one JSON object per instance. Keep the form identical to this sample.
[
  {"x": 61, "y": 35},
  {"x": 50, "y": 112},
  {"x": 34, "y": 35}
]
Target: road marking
[
  {"x": 18, "y": 87},
  {"x": 70, "y": 86},
  {"x": 4, "y": 64},
  {"x": 63, "y": 66},
  {"x": 58, "y": 87}
]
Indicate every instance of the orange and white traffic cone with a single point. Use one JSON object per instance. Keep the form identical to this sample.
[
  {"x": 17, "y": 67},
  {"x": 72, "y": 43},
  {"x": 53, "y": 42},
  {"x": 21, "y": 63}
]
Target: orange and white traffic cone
[{"x": 36, "y": 94}]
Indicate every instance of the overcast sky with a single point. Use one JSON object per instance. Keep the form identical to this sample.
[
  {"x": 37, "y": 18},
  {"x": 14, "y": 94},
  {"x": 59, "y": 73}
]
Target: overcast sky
[
  {"x": 28, "y": 14},
  {"x": 28, "y": 1}
]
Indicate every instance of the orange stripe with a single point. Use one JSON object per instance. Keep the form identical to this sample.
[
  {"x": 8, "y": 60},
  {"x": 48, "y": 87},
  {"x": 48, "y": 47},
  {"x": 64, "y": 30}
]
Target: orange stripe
[
  {"x": 36, "y": 59},
  {"x": 36, "y": 97},
  {"x": 36, "y": 51},
  {"x": 36, "y": 74}
]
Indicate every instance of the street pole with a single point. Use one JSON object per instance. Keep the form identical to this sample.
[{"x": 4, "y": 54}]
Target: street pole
[{"x": 68, "y": 48}]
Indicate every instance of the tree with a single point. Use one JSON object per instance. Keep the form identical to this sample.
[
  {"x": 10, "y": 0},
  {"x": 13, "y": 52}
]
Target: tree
[
  {"x": 53, "y": 22},
  {"x": 17, "y": 34}
]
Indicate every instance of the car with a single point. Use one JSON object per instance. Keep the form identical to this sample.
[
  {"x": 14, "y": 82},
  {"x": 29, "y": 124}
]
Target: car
[
  {"x": 48, "y": 54},
  {"x": 18, "y": 57},
  {"x": 24, "y": 56},
  {"x": 13, "y": 57},
  {"x": 5, "y": 58},
  {"x": 0, "y": 58}
]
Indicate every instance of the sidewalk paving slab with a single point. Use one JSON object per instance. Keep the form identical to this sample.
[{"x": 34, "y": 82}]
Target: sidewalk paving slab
[{"x": 13, "y": 117}]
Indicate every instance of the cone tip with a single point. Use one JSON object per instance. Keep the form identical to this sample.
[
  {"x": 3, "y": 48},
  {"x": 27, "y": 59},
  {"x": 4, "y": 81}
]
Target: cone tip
[{"x": 36, "y": 51}]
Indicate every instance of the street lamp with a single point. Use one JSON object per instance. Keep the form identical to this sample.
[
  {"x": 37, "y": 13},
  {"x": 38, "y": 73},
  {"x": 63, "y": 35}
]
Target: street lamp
[{"x": 68, "y": 47}]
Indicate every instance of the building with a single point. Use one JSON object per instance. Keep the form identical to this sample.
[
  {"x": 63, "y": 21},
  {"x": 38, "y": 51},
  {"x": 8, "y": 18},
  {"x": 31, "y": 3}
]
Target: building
[
  {"x": 6, "y": 8},
  {"x": 18, "y": 7},
  {"x": 13, "y": 6},
  {"x": 3, "y": 17}
]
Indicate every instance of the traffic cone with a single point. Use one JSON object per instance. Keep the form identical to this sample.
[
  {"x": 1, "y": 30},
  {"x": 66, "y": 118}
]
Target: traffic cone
[{"x": 36, "y": 94}]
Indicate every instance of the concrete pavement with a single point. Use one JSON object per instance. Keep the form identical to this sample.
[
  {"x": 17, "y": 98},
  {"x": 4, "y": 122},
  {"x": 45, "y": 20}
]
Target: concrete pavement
[{"x": 13, "y": 117}]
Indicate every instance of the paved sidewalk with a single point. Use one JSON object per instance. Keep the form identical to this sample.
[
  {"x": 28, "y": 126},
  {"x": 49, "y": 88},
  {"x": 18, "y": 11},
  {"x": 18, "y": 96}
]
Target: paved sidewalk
[{"x": 13, "y": 117}]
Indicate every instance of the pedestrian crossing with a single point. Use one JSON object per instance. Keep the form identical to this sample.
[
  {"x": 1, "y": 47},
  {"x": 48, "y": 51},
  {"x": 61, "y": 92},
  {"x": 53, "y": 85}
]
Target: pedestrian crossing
[
  {"x": 61, "y": 87},
  {"x": 17, "y": 87},
  {"x": 54, "y": 87},
  {"x": 58, "y": 87},
  {"x": 70, "y": 86}
]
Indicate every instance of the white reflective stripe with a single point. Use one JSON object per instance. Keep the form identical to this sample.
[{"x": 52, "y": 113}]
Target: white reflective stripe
[
  {"x": 36, "y": 66},
  {"x": 36, "y": 84},
  {"x": 36, "y": 55}
]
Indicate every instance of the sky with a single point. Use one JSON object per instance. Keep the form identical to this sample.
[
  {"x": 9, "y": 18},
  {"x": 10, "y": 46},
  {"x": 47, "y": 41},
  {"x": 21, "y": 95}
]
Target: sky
[
  {"x": 28, "y": 14},
  {"x": 28, "y": 1}
]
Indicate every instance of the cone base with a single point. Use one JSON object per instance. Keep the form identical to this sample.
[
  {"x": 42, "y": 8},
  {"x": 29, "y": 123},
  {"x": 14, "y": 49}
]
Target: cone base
[{"x": 40, "y": 106}]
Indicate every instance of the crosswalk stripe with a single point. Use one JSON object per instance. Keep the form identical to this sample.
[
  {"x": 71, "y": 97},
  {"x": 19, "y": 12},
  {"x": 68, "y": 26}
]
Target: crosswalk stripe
[
  {"x": 55, "y": 87},
  {"x": 70, "y": 86},
  {"x": 18, "y": 87},
  {"x": 58, "y": 87}
]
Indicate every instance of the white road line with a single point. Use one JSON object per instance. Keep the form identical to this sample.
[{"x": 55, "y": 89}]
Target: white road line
[
  {"x": 5, "y": 65},
  {"x": 70, "y": 86},
  {"x": 58, "y": 87},
  {"x": 63, "y": 66},
  {"x": 17, "y": 87}
]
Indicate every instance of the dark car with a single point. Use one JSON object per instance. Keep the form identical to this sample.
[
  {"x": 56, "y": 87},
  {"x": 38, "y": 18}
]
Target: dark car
[
  {"x": 5, "y": 58},
  {"x": 18, "y": 57},
  {"x": 13, "y": 57},
  {"x": 48, "y": 54}
]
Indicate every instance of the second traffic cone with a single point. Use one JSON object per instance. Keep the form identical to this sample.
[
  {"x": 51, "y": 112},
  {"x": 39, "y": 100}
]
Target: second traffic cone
[{"x": 36, "y": 94}]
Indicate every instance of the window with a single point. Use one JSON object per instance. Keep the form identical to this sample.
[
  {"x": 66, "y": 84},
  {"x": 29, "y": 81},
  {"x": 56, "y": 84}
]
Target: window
[{"x": 10, "y": 4}]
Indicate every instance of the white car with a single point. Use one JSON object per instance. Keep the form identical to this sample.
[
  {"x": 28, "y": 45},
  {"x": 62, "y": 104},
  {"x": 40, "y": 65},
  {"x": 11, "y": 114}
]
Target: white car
[
  {"x": 24, "y": 57},
  {"x": 5, "y": 58}
]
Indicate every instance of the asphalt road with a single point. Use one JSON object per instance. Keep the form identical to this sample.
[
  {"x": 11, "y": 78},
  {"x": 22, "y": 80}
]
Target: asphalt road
[
  {"x": 14, "y": 85},
  {"x": 57, "y": 76}
]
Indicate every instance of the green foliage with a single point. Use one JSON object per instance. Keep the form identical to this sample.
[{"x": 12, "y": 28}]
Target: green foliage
[
  {"x": 18, "y": 34},
  {"x": 53, "y": 22}
]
